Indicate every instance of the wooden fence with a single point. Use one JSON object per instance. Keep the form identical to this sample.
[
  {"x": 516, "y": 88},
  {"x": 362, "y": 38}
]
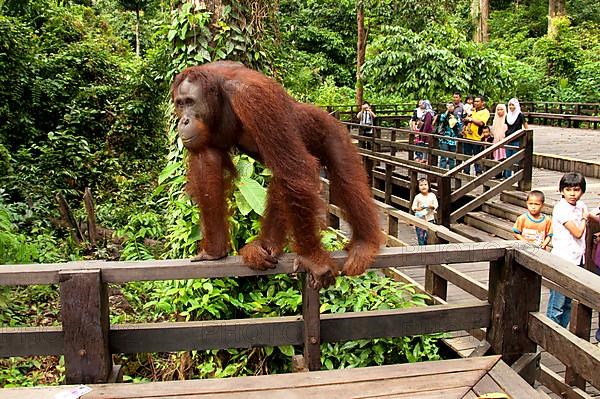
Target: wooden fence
[
  {"x": 438, "y": 276},
  {"x": 510, "y": 313},
  {"x": 540, "y": 112},
  {"x": 459, "y": 192}
]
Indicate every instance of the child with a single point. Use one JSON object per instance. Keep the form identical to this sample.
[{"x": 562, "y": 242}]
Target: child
[
  {"x": 468, "y": 111},
  {"x": 569, "y": 222},
  {"x": 424, "y": 205},
  {"x": 533, "y": 226},
  {"x": 486, "y": 134}
]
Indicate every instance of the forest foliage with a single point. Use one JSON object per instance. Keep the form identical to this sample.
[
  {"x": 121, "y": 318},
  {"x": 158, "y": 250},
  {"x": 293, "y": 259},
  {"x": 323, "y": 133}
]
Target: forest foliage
[{"x": 79, "y": 108}]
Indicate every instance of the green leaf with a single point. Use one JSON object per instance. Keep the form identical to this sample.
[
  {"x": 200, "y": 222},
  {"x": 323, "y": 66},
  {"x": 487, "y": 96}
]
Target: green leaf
[
  {"x": 242, "y": 204},
  {"x": 254, "y": 194},
  {"x": 287, "y": 350},
  {"x": 168, "y": 171}
]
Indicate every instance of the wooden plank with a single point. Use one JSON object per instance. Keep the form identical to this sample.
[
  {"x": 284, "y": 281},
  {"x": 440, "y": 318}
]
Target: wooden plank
[
  {"x": 581, "y": 320},
  {"x": 528, "y": 366},
  {"x": 311, "y": 325},
  {"x": 511, "y": 383},
  {"x": 203, "y": 335},
  {"x": 30, "y": 341},
  {"x": 450, "y": 393},
  {"x": 486, "y": 385},
  {"x": 444, "y": 191},
  {"x": 177, "y": 269},
  {"x": 514, "y": 291},
  {"x": 481, "y": 199},
  {"x": 485, "y": 153},
  {"x": 411, "y": 386},
  {"x": 575, "y": 281},
  {"x": 435, "y": 284},
  {"x": 556, "y": 384},
  {"x": 275, "y": 331},
  {"x": 84, "y": 314},
  {"x": 404, "y": 322},
  {"x": 397, "y": 275},
  {"x": 268, "y": 382},
  {"x": 461, "y": 280},
  {"x": 526, "y": 165},
  {"x": 575, "y": 352},
  {"x": 487, "y": 175}
]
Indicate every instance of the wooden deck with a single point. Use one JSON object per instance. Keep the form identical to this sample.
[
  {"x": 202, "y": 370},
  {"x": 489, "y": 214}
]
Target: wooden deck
[{"x": 448, "y": 379}]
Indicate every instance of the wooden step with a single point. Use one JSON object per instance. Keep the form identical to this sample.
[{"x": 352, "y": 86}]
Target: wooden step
[
  {"x": 493, "y": 225},
  {"x": 519, "y": 198},
  {"x": 473, "y": 233},
  {"x": 503, "y": 210}
]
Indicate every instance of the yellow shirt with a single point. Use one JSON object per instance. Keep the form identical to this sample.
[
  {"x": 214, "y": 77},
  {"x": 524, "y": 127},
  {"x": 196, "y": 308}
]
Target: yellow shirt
[{"x": 482, "y": 115}]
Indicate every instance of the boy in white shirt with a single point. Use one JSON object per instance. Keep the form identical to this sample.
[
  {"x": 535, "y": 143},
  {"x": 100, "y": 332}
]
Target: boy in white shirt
[{"x": 569, "y": 220}]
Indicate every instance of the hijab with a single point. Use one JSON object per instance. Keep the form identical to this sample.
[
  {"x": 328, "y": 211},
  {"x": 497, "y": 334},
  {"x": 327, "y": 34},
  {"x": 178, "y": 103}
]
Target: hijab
[
  {"x": 499, "y": 126},
  {"x": 511, "y": 117},
  {"x": 428, "y": 107}
]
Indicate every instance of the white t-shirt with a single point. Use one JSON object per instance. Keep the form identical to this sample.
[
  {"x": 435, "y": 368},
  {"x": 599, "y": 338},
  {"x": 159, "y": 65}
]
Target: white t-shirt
[
  {"x": 424, "y": 201},
  {"x": 564, "y": 244}
]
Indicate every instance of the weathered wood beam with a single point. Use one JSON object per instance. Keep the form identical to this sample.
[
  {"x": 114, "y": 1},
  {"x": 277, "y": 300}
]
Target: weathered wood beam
[
  {"x": 582, "y": 356},
  {"x": 176, "y": 269}
]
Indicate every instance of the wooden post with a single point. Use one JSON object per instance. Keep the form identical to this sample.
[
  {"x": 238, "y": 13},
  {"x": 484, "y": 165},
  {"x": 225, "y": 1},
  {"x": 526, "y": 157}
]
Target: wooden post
[
  {"x": 434, "y": 284},
  {"x": 581, "y": 320},
  {"x": 434, "y": 144},
  {"x": 376, "y": 135},
  {"x": 445, "y": 206},
  {"x": 527, "y": 163},
  {"x": 392, "y": 226},
  {"x": 312, "y": 326},
  {"x": 514, "y": 291},
  {"x": 411, "y": 141},
  {"x": 393, "y": 140},
  {"x": 84, "y": 314},
  {"x": 414, "y": 185},
  {"x": 91, "y": 215},
  {"x": 389, "y": 169}
]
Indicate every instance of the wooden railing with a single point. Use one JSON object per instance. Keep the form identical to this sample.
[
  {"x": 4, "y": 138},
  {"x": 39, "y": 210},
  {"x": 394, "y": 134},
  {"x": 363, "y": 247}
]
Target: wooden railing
[
  {"x": 549, "y": 336},
  {"x": 457, "y": 192},
  {"x": 513, "y": 323},
  {"x": 559, "y": 113},
  {"x": 87, "y": 341},
  {"x": 552, "y": 338},
  {"x": 540, "y": 112}
]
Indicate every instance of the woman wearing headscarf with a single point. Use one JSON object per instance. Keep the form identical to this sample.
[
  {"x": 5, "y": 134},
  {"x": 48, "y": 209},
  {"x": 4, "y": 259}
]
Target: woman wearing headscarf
[
  {"x": 427, "y": 127},
  {"x": 499, "y": 129},
  {"x": 515, "y": 121}
]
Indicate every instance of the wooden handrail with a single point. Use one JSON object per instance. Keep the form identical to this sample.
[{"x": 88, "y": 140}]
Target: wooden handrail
[{"x": 488, "y": 151}]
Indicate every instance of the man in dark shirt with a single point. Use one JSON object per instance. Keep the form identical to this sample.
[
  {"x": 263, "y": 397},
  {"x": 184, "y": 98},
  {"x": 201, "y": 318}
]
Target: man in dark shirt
[{"x": 458, "y": 105}]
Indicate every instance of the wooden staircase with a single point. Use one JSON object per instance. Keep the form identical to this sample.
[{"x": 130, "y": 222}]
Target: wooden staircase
[{"x": 496, "y": 218}]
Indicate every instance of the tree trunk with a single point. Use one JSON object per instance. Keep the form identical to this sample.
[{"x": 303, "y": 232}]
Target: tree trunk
[
  {"x": 485, "y": 13},
  {"x": 137, "y": 32},
  {"x": 360, "y": 51},
  {"x": 556, "y": 8},
  {"x": 480, "y": 13}
]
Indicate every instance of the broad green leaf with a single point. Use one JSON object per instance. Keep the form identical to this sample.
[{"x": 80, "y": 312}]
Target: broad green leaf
[
  {"x": 254, "y": 194},
  {"x": 242, "y": 204},
  {"x": 287, "y": 350}
]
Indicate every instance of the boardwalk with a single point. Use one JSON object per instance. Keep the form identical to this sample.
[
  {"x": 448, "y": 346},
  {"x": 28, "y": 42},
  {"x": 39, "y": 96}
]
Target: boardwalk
[{"x": 579, "y": 143}]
